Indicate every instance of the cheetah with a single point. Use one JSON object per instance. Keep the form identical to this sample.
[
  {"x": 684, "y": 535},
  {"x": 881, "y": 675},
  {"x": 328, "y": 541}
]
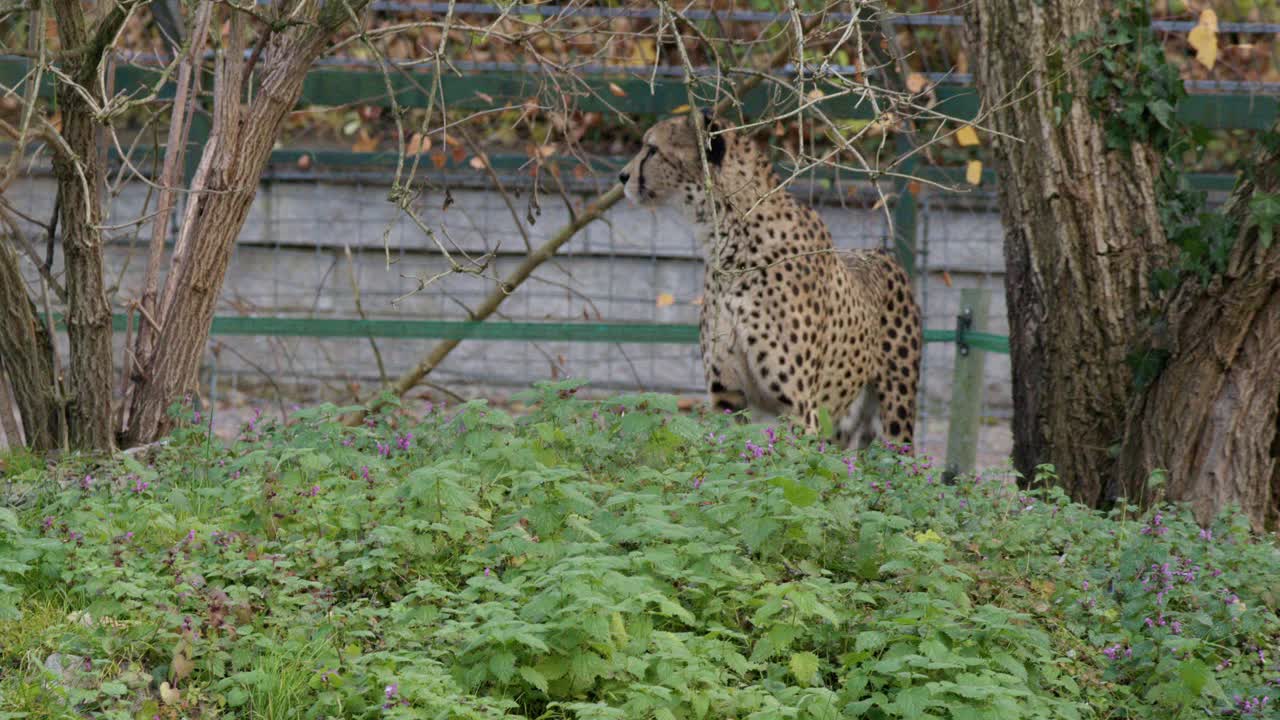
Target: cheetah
[{"x": 788, "y": 326}]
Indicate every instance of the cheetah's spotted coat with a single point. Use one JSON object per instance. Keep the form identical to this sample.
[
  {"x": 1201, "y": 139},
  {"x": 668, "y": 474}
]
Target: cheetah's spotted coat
[{"x": 787, "y": 324}]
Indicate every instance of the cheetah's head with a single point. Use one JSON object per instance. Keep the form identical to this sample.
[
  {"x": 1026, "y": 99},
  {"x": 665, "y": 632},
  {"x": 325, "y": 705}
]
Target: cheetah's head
[{"x": 669, "y": 166}]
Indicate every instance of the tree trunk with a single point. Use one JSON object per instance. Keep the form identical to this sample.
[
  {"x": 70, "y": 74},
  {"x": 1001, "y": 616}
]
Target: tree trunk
[
  {"x": 1212, "y": 417},
  {"x": 79, "y": 172},
  {"x": 26, "y": 354},
  {"x": 1082, "y": 234},
  {"x": 224, "y": 186}
]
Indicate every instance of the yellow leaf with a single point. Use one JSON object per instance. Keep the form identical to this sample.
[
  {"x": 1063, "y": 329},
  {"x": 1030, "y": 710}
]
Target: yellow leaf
[
  {"x": 967, "y": 136},
  {"x": 619, "y": 629},
  {"x": 477, "y": 163},
  {"x": 644, "y": 52},
  {"x": 613, "y": 88},
  {"x": 680, "y": 110},
  {"x": 973, "y": 172},
  {"x": 916, "y": 82},
  {"x": 816, "y": 94},
  {"x": 1204, "y": 38},
  {"x": 929, "y": 536},
  {"x": 169, "y": 695},
  {"x": 665, "y": 299}
]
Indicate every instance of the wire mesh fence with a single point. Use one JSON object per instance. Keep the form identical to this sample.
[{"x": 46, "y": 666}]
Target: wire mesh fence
[{"x": 336, "y": 249}]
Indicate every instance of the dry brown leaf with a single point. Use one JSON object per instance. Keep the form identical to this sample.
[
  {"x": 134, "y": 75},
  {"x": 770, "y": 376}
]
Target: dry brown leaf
[
  {"x": 485, "y": 97},
  {"x": 680, "y": 110},
  {"x": 665, "y": 299},
  {"x": 973, "y": 172},
  {"x": 477, "y": 162},
  {"x": 967, "y": 136},
  {"x": 364, "y": 142},
  {"x": 816, "y": 94},
  {"x": 1204, "y": 38},
  {"x": 168, "y": 695},
  {"x": 438, "y": 159},
  {"x": 181, "y": 665},
  {"x": 304, "y": 162},
  {"x": 917, "y": 82},
  {"x": 946, "y": 278},
  {"x": 459, "y": 154},
  {"x": 617, "y": 91},
  {"x": 418, "y": 144}
]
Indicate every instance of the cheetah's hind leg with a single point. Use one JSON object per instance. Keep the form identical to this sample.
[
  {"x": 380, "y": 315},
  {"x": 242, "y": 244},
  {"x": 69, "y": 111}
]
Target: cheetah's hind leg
[{"x": 860, "y": 427}]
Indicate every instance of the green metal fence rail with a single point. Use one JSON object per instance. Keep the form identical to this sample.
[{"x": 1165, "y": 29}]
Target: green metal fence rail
[
  {"x": 337, "y": 86},
  {"x": 642, "y": 333}
]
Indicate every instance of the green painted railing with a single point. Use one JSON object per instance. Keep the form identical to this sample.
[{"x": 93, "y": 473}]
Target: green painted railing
[
  {"x": 641, "y": 333},
  {"x": 482, "y": 90}
]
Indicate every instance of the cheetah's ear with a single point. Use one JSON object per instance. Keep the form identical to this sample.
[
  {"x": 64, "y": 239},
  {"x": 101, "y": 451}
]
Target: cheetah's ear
[{"x": 715, "y": 142}]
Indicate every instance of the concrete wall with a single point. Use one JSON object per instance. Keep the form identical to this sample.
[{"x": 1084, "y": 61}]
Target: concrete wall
[{"x": 290, "y": 261}]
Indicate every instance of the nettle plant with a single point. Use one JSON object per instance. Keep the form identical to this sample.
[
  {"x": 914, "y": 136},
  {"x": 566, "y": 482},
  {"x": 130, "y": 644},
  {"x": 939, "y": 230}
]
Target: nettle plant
[{"x": 600, "y": 560}]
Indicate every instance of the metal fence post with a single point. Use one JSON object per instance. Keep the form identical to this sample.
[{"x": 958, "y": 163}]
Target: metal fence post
[{"x": 966, "y": 385}]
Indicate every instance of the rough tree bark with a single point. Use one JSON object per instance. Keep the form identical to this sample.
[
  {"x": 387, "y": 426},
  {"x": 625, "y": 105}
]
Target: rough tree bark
[
  {"x": 26, "y": 354},
  {"x": 222, "y": 191},
  {"x": 1212, "y": 417},
  {"x": 1082, "y": 234},
  {"x": 80, "y": 176}
]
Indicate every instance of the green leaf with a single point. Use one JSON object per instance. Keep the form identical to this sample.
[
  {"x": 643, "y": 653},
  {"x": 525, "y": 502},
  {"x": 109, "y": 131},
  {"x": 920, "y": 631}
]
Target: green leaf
[
  {"x": 534, "y": 678},
  {"x": 1196, "y": 676},
  {"x": 237, "y": 697},
  {"x": 804, "y": 666},
  {"x": 825, "y": 426},
  {"x": 869, "y": 641},
  {"x": 1162, "y": 111},
  {"x": 114, "y": 689},
  {"x": 911, "y": 702},
  {"x": 503, "y": 665},
  {"x": 795, "y": 493}
]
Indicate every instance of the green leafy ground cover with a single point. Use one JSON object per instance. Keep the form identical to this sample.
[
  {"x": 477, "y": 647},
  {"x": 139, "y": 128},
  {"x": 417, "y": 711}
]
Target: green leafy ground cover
[{"x": 602, "y": 560}]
